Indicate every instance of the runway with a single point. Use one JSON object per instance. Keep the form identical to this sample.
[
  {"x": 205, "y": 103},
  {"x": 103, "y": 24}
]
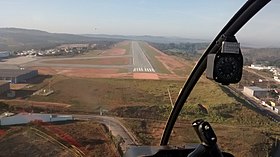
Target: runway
[{"x": 140, "y": 61}]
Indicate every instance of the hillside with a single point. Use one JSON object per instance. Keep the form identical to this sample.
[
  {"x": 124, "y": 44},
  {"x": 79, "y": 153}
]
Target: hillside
[
  {"x": 188, "y": 50},
  {"x": 149, "y": 38},
  {"x": 269, "y": 56},
  {"x": 18, "y": 39}
]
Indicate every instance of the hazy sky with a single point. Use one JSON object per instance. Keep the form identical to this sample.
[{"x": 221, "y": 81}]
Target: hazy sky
[{"x": 200, "y": 19}]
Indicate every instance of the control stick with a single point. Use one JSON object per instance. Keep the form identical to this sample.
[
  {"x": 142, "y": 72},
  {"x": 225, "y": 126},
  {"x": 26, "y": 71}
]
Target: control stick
[{"x": 208, "y": 138}]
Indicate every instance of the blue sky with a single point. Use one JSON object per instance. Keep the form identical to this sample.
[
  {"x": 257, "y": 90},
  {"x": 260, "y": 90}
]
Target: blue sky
[{"x": 200, "y": 19}]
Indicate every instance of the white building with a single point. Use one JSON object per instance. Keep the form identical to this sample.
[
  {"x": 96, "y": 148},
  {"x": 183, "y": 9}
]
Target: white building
[
  {"x": 24, "y": 118},
  {"x": 260, "y": 67},
  {"x": 255, "y": 91},
  {"x": 276, "y": 78}
]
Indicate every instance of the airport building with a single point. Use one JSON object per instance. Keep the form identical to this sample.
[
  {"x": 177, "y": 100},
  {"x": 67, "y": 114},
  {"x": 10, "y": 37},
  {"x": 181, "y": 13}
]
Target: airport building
[
  {"x": 24, "y": 118},
  {"x": 255, "y": 91},
  {"x": 16, "y": 75},
  {"x": 4, "y": 87}
]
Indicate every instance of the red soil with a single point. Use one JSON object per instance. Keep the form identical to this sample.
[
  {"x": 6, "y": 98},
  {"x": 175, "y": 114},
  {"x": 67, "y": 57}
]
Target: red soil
[
  {"x": 114, "y": 52},
  {"x": 150, "y": 76},
  {"x": 84, "y": 72}
]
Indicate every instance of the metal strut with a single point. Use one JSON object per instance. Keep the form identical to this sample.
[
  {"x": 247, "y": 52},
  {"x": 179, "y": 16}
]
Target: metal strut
[{"x": 245, "y": 13}]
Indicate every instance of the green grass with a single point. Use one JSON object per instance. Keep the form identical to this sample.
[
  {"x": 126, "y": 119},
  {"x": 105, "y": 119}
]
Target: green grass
[
  {"x": 149, "y": 98},
  {"x": 238, "y": 127},
  {"x": 127, "y": 48},
  {"x": 91, "y": 94},
  {"x": 151, "y": 55},
  {"x": 241, "y": 140}
]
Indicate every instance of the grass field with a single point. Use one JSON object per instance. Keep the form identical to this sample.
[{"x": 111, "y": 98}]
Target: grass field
[
  {"x": 126, "y": 46},
  {"x": 136, "y": 98},
  {"x": 241, "y": 140},
  {"x": 91, "y": 94},
  {"x": 145, "y": 105}
]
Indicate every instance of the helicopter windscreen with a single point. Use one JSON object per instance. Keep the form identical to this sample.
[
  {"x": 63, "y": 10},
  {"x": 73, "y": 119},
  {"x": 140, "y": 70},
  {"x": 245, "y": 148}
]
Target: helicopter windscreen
[{"x": 128, "y": 78}]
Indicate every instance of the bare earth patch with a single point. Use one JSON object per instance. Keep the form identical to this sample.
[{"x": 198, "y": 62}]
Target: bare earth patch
[
  {"x": 64, "y": 140},
  {"x": 150, "y": 76},
  {"x": 96, "y": 73},
  {"x": 179, "y": 68},
  {"x": 84, "y": 72},
  {"x": 114, "y": 52},
  {"x": 171, "y": 77},
  {"x": 171, "y": 62},
  {"x": 46, "y": 70}
]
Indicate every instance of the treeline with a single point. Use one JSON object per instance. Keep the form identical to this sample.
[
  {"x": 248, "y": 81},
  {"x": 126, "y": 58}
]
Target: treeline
[
  {"x": 186, "y": 50},
  {"x": 264, "y": 56},
  {"x": 105, "y": 44}
]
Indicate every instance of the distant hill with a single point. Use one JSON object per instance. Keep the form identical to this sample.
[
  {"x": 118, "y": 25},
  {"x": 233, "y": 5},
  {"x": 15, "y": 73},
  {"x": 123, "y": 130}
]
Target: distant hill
[
  {"x": 148, "y": 38},
  {"x": 269, "y": 56},
  {"x": 18, "y": 39}
]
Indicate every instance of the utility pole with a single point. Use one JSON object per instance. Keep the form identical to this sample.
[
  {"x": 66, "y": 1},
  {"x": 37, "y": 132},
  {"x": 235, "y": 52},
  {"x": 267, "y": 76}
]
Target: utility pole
[{"x": 170, "y": 98}]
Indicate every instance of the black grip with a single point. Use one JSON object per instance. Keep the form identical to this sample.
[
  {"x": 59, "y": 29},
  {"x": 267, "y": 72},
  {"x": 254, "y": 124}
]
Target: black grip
[
  {"x": 208, "y": 140},
  {"x": 207, "y": 134}
]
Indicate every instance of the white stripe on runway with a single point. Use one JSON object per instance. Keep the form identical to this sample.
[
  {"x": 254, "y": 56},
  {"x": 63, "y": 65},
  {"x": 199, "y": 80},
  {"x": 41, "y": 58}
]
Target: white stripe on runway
[{"x": 143, "y": 69}]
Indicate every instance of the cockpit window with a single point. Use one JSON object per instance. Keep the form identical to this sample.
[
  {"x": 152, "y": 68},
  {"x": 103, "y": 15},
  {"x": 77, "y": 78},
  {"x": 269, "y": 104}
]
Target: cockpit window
[{"x": 96, "y": 78}]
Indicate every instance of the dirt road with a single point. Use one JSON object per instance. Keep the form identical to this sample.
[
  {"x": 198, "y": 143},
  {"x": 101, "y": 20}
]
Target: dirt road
[{"x": 115, "y": 126}]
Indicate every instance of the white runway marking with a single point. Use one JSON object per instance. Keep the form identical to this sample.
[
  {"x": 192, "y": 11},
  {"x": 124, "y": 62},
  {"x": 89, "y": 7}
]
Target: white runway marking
[{"x": 143, "y": 70}]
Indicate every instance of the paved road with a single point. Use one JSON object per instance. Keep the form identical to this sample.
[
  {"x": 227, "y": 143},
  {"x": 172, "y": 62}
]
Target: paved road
[
  {"x": 115, "y": 126},
  {"x": 9, "y": 66},
  {"x": 17, "y": 60},
  {"x": 140, "y": 60}
]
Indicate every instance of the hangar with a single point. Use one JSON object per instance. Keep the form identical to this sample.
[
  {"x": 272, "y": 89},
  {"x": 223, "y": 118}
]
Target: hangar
[
  {"x": 4, "y": 87},
  {"x": 16, "y": 75},
  {"x": 256, "y": 91}
]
